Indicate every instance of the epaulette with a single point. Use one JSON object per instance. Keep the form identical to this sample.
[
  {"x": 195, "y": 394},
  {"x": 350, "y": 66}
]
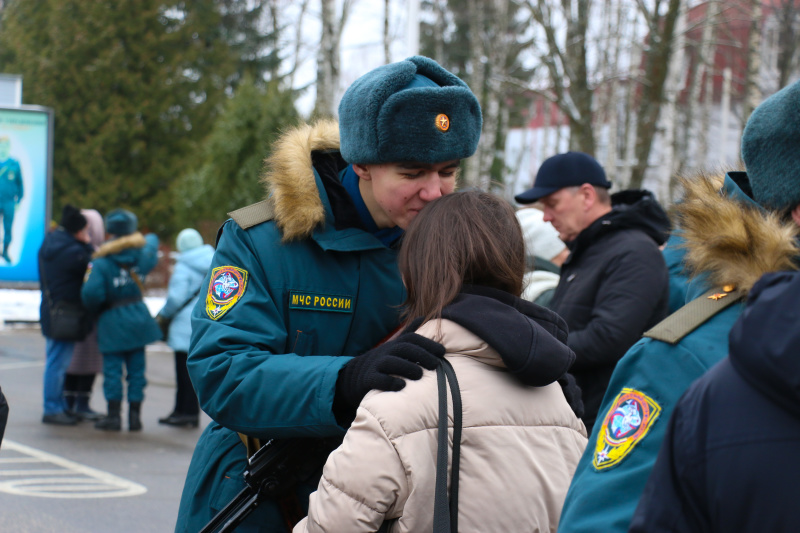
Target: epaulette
[
  {"x": 254, "y": 214},
  {"x": 692, "y": 315},
  {"x": 250, "y": 216}
]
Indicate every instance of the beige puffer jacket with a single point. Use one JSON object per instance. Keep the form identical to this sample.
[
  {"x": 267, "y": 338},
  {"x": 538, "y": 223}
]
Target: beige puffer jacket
[{"x": 519, "y": 449}]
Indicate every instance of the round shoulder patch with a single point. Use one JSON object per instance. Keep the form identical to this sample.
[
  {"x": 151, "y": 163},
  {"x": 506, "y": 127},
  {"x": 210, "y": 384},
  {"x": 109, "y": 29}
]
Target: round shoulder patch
[
  {"x": 227, "y": 286},
  {"x": 627, "y": 421}
]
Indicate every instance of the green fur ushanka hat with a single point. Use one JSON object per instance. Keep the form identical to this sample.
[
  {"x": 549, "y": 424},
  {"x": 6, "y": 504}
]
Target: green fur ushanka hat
[
  {"x": 771, "y": 150},
  {"x": 410, "y": 111},
  {"x": 121, "y": 222}
]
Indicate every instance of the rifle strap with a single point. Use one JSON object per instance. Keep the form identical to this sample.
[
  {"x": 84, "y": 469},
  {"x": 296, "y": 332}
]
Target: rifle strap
[
  {"x": 251, "y": 443},
  {"x": 136, "y": 278}
]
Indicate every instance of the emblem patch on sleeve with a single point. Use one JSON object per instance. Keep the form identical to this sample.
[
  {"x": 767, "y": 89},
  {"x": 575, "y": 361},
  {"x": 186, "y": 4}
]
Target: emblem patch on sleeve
[
  {"x": 626, "y": 423},
  {"x": 227, "y": 286}
]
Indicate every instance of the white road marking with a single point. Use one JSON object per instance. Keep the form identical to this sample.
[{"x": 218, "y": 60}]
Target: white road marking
[{"x": 68, "y": 480}]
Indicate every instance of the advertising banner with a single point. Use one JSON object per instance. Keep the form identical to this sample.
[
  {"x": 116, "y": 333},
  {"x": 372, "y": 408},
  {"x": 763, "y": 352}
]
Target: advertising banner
[{"x": 26, "y": 147}]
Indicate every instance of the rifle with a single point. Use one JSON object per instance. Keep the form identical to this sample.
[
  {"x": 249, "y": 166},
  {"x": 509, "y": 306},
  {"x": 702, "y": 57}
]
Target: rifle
[{"x": 272, "y": 472}]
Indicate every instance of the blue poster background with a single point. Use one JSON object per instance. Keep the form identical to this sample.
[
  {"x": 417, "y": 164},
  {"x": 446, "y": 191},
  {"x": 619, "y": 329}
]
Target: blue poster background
[{"x": 29, "y": 131}]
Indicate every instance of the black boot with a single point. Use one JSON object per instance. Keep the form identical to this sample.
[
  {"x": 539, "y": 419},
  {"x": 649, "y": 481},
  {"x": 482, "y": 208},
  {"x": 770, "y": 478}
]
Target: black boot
[
  {"x": 180, "y": 420},
  {"x": 112, "y": 421},
  {"x": 82, "y": 409},
  {"x": 134, "y": 416},
  {"x": 69, "y": 398}
]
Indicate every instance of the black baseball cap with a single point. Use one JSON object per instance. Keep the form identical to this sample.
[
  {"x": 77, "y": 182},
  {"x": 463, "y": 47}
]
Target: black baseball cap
[{"x": 571, "y": 169}]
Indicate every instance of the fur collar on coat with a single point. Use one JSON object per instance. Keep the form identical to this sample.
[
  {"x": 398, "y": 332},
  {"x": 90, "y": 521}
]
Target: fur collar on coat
[
  {"x": 289, "y": 178},
  {"x": 134, "y": 240},
  {"x": 734, "y": 242}
]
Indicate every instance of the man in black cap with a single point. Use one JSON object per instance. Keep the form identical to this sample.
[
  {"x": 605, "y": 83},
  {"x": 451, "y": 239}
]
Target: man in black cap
[
  {"x": 614, "y": 285},
  {"x": 63, "y": 258}
]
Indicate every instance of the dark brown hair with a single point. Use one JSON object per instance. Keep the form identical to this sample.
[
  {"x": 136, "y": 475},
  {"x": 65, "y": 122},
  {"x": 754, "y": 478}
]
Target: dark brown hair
[{"x": 467, "y": 237}]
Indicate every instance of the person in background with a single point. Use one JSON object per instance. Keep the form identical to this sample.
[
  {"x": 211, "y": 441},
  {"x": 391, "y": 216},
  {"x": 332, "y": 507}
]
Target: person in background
[
  {"x": 545, "y": 253},
  {"x": 729, "y": 459},
  {"x": 114, "y": 288},
  {"x": 304, "y": 285},
  {"x": 87, "y": 361},
  {"x": 183, "y": 292},
  {"x": 462, "y": 261},
  {"x": 614, "y": 285},
  {"x": 63, "y": 258}
]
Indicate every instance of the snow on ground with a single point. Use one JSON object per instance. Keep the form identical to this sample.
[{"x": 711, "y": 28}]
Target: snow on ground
[{"x": 22, "y": 306}]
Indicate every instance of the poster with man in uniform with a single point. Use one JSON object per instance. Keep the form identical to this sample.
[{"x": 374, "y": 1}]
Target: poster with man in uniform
[{"x": 26, "y": 139}]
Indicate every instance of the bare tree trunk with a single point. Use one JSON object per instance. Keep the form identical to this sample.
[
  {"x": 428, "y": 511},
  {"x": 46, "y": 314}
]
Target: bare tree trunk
[
  {"x": 298, "y": 42},
  {"x": 787, "y": 41},
  {"x": 387, "y": 56},
  {"x": 662, "y": 33},
  {"x": 671, "y": 162},
  {"x": 752, "y": 90},
  {"x": 629, "y": 125},
  {"x": 567, "y": 66},
  {"x": 498, "y": 48},
  {"x": 697, "y": 134},
  {"x": 328, "y": 72},
  {"x": 438, "y": 47},
  {"x": 703, "y": 129},
  {"x": 323, "y": 106},
  {"x": 581, "y": 131},
  {"x": 725, "y": 110},
  {"x": 472, "y": 173}
]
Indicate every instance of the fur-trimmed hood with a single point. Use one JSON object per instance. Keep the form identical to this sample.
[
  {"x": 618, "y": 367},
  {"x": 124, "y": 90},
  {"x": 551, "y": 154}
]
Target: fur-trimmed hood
[
  {"x": 289, "y": 178},
  {"x": 728, "y": 236},
  {"x": 121, "y": 244}
]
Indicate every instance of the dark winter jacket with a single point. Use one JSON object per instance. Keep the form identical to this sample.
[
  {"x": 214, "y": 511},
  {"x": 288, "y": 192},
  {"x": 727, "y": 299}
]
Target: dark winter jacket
[
  {"x": 614, "y": 286},
  {"x": 730, "y": 461},
  {"x": 110, "y": 290},
  {"x": 62, "y": 264}
]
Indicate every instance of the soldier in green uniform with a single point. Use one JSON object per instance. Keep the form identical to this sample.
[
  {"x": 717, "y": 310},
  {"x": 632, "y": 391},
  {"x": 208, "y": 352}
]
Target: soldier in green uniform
[
  {"x": 10, "y": 191},
  {"x": 304, "y": 286}
]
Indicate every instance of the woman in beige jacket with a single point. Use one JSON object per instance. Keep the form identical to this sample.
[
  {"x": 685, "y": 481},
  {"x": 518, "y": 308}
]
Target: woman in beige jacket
[{"x": 463, "y": 261}]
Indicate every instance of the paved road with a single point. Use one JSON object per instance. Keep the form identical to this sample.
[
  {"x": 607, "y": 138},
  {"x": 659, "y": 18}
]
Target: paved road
[{"x": 78, "y": 479}]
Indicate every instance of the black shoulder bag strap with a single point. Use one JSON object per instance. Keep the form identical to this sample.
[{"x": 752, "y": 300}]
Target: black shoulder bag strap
[
  {"x": 184, "y": 304},
  {"x": 43, "y": 283},
  {"x": 445, "y": 515}
]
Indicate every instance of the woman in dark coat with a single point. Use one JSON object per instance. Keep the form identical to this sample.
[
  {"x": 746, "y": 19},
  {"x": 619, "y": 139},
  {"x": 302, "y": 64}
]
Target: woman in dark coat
[{"x": 87, "y": 361}]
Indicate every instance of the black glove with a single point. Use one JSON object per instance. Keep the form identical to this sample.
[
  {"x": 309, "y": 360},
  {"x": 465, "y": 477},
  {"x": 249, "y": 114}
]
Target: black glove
[{"x": 380, "y": 367}]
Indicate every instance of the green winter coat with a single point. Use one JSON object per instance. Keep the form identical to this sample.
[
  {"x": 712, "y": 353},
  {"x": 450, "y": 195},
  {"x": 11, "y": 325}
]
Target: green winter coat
[
  {"x": 735, "y": 246},
  {"x": 109, "y": 290},
  {"x": 284, "y": 300}
]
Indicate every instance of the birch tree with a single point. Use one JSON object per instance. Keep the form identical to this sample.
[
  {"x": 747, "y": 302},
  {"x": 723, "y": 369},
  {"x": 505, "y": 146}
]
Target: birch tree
[
  {"x": 661, "y": 27},
  {"x": 752, "y": 89},
  {"x": 697, "y": 127},
  {"x": 328, "y": 64},
  {"x": 788, "y": 37},
  {"x": 566, "y": 62}
]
